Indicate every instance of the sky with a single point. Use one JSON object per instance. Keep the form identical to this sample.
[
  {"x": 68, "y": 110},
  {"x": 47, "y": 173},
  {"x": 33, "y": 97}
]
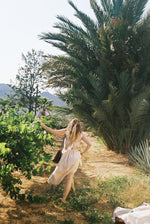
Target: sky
[{"x": 21, "y": 23}]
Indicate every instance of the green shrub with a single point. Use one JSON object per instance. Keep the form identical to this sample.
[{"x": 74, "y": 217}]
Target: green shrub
[
  {"x": 21, "y": 148},
  {"x": 140, "y": 156},
  {"x": 54, "y": 121}
]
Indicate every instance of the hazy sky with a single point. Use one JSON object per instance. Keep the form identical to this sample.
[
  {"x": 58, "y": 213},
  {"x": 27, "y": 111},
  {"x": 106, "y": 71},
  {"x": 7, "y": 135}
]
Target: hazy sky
[{"x": 21, "y": 21}]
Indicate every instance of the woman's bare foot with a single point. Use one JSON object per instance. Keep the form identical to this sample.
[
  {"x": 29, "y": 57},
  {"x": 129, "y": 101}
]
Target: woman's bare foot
[{"x": 63, "y": 200}]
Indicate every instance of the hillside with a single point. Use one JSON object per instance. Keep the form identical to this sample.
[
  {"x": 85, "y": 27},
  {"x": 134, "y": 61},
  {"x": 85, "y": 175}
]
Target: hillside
[
  {"x": 56, "y": 100},
  {"x": 5, "y": 89}
]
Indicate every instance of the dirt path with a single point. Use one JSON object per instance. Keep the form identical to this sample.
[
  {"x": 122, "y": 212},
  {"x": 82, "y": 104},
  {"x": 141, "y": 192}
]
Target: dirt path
[
  {"x": 97, "y": 163},
  {"x": 101, "y": 163}
]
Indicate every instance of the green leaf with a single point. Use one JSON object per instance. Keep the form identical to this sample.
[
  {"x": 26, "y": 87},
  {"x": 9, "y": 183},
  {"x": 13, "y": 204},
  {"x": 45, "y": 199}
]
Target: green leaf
[
  {"x": 3, "y": 150},
  {"x": 48, "y": 168},
  {"x": 47, "y": 157}
]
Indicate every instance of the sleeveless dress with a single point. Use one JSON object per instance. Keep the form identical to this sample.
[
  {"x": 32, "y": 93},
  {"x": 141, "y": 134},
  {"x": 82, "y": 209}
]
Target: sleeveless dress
[{"x": 69, "y": 162}]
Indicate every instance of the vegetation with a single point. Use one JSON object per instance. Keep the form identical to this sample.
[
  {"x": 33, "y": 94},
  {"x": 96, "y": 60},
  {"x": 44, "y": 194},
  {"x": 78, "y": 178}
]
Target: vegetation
[
  {"x": 21, "y": 149},
  {"x": 28, "y": 81},
  {"x": 104, "y": 76},
  {"x": 5, "y": 102},
  {"x": 55, "y": 121},
  {"x": 45, "y": 105},
  {"x": 96, "y": 204},
  {"x": 91, "y": 204},
  {"x": 140, "y": 156},
  {"x": 105, "y": 80}
]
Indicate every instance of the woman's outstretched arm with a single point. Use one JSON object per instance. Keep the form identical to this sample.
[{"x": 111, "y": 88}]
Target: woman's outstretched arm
[{"x": 54, "y": 131}]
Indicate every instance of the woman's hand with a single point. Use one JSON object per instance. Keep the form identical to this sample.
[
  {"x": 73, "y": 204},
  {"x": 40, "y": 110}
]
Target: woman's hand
[
  {"x": 39, "y": 120},
  {"x": 81, "y": 153}
]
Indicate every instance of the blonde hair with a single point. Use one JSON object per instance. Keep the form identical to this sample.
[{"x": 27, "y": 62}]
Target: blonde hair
[{"x": 73, "y": 129}]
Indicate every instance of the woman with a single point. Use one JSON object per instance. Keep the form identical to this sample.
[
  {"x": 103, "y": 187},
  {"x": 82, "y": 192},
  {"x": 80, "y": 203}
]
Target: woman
[{"x": 71, "y": 157}]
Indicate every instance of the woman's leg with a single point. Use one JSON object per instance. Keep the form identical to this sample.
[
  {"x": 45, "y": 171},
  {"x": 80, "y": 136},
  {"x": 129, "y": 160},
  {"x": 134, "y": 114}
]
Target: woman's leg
[
  {"x": 72, "y": 185},
  {"x": 69, "y": 179}
]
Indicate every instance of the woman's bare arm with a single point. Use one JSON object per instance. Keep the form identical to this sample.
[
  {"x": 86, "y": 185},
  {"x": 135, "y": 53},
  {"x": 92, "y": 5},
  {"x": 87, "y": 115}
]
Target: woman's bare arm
[
  {"x": 54, "y": 131},
  {"x": 86, "y": 140}
]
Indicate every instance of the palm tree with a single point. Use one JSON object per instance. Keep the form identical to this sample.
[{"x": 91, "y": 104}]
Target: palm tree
[
  {"x": 45, "y": 105},
  {"x": 105, "y": 72}
]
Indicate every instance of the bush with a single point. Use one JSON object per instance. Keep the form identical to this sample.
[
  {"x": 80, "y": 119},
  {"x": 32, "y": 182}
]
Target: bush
[
  {"x": 53, "y": 121},
  {"x": 21, "y": 148},
  {"x": 140, "y": 156}
]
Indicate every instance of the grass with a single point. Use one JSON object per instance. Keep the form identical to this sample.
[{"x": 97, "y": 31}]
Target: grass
[
  {"x": 90, "y": 204},
  {"x": 96, "y": 204}
]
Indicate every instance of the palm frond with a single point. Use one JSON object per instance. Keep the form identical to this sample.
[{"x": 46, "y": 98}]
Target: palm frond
[
  {"x": 107, "y": 7},
  {"x": 98, "y": 12},
  {"x": 69, "y": 25},
  {"x": 88, "y": 23},
  {"x": 133, "y": 10}
]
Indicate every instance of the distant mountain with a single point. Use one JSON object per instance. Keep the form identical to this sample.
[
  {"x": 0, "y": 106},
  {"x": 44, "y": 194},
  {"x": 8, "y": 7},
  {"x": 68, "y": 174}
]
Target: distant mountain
[
  {"x": 56, "y": 100},
  {"x": 5, "y": 89}
]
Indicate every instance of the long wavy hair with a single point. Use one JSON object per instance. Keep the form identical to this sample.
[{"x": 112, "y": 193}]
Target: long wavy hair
[{"x": 73, "y": 130}]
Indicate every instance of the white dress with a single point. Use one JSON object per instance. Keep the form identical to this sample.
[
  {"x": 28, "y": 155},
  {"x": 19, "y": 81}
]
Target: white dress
[
  {"x": 69, "y": 162},
  {"x": 138, "y": 215}
]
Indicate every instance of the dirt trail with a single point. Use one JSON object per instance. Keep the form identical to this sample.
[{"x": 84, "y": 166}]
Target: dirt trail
[
  {"x": 97, "y": 163},
  {"x": 101, "y": 163}
]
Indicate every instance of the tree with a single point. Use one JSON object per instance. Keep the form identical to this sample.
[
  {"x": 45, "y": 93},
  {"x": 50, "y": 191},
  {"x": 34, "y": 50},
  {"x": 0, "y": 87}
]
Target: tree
[
  {"x": 106, "y": 69},
  {"x": 44, "y": 104},
  {"x": 4, "y": 103},
  {"x": 29, "y": 79}
]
